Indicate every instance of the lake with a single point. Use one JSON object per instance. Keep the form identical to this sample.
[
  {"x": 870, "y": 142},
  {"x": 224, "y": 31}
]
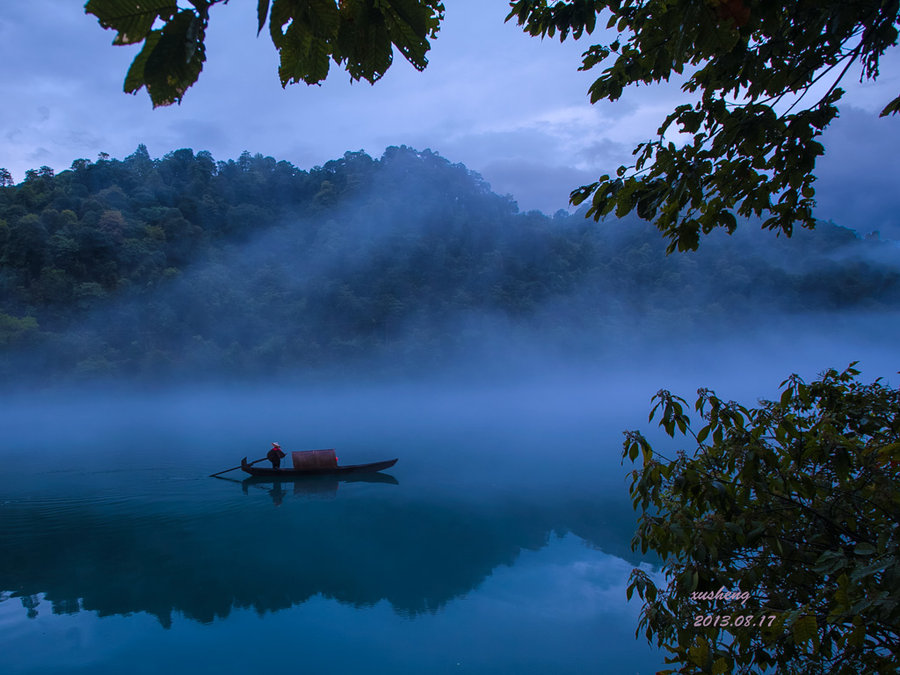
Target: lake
[{"x": 499, "y": 543}]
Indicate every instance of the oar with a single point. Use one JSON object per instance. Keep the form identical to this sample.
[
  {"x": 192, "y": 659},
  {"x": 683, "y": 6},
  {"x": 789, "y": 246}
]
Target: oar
[{"x": 212, "y": 475}]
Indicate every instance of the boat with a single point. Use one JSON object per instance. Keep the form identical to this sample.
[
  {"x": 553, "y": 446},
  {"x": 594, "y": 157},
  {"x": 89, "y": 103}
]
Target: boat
[{"x": 321, "y": 470}]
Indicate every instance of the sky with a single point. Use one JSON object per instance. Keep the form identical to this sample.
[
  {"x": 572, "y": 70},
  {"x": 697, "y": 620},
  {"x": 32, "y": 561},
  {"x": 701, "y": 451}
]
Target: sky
[{"x": 510, "y": 106}]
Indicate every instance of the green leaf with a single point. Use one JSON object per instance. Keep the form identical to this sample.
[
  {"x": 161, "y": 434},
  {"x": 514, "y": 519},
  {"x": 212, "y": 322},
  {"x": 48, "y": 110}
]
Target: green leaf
[
  {"x": 786, "y": 397},
  {"x": 804, "y": 629},
  {"x": 633, "y": 451},
  {"x": 262, "y": 12},
  {"x": 891, "y": 108},
  {"x": 717, "y": 435},
  {"x": 704, "y": 432},
  {"x": 830, "y": 561},
  {"x": 364, "y": 43},
  {"x": 864, "y": 548},
  {"x": 857, "y": 636},
  {"x": 175, "y": 62},
  {"x": 133, "y": 19},
  {"x": 698, "y": 652},
  {"x": 306, "y": 46},
  {"x": 406, "y": 22},
  {"x": 134, "y": 79}
]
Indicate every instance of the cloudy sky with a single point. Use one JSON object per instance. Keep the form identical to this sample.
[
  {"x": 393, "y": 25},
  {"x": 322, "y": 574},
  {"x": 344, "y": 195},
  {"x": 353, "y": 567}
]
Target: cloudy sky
[{"x": 509, "y": 106}]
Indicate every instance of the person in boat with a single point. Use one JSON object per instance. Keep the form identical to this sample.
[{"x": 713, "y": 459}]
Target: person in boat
[{"x": 275, "y": 455}]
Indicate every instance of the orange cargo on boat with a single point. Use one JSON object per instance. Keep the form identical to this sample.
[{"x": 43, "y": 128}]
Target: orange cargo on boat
[{"x": 314, "y": 459}]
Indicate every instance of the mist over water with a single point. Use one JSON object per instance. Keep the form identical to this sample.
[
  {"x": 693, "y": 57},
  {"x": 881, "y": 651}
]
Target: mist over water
[
  {"x": 506, "y": 404},
  {"x": 499, "y": 356},
  {"x": 497, "y": 549},
  {"x": 400, "y": 267},
  {"x": 501, "y": 545}
]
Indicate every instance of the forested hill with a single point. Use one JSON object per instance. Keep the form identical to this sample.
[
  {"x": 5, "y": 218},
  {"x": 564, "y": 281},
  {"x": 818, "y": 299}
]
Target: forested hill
[{"x": 251, "y": 266}]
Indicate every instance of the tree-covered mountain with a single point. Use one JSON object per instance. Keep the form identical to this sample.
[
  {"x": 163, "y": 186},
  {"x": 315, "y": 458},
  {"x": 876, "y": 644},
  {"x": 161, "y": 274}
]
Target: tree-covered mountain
[{"x": 251, "y": 266}]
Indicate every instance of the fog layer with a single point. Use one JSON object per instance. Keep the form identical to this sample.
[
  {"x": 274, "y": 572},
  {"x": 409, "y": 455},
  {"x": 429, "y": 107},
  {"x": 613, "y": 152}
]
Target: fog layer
[{"x": 184, "y": 269}]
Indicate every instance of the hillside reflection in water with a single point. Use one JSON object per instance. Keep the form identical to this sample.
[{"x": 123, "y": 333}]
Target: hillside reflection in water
[{"x": 493, "y": 546}]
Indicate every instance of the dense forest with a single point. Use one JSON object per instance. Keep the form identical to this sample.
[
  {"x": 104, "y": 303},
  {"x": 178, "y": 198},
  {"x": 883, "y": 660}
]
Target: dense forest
[{"x": 188, "y": 266}]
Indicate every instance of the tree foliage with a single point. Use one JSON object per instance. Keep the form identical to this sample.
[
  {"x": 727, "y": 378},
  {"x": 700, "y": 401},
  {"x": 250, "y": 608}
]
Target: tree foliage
[
  {"x": 359, "y": 35},
  {"x": 765, "y": 74},
  {"x": 795, "y": 505},
  {"x": 142, "y": 264},
  {"x": 751, "y": 142}
]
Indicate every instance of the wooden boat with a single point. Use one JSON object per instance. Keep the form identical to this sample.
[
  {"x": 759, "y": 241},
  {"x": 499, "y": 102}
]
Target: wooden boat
[{"x": 348, "y": 469}]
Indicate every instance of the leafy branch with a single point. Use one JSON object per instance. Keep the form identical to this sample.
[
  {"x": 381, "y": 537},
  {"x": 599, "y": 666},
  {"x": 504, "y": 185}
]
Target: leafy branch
[
  {"x": 358, "y": 35},
  {"x": 745, "y": 158},
  {"x": 795, "y": 502}
]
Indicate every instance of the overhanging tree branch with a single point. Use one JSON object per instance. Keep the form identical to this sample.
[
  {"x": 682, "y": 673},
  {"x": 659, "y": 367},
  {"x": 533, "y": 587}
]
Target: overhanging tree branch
[{"x": 754, "y": 161}]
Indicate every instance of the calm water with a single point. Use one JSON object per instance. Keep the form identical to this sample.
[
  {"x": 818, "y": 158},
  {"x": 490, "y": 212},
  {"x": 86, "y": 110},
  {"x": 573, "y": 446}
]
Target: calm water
[{"x": 499, "y": 543}]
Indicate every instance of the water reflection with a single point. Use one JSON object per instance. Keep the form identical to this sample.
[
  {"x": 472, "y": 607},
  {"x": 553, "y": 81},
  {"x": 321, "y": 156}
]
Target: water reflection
[
  {"x": 306, "y": 486},
  {"x": 213, "y": 547},
  {"x": 557, "y": 610}
]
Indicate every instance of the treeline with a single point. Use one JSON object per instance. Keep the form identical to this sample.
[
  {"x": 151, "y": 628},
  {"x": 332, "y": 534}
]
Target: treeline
[{"x": 253, "y": 266}]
